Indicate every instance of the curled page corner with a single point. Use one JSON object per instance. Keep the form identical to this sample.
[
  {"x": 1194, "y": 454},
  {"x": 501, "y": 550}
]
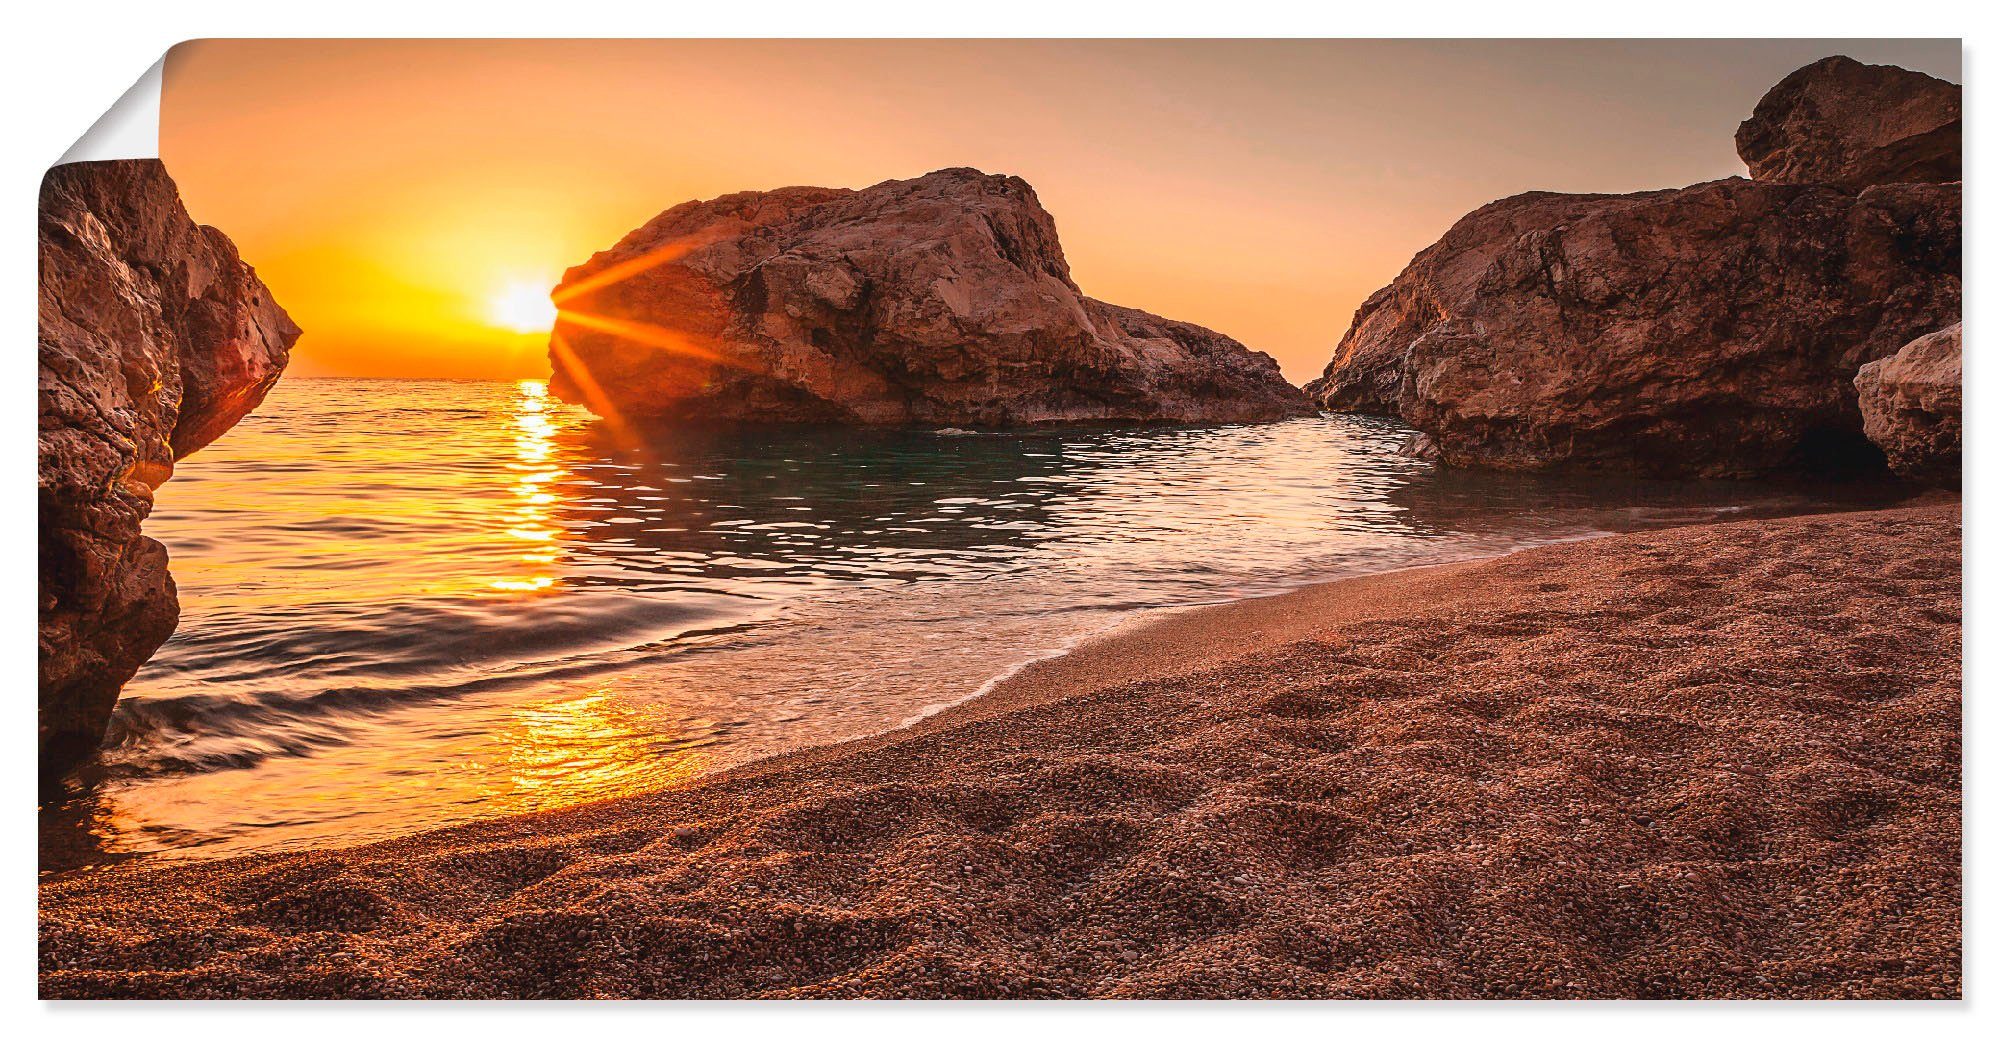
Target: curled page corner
[{"x": 129, "y": 129}]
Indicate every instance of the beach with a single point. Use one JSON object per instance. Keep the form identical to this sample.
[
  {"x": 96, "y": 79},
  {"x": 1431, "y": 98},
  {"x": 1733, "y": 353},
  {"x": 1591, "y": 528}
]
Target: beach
[{"x": 1717, "y": 761}]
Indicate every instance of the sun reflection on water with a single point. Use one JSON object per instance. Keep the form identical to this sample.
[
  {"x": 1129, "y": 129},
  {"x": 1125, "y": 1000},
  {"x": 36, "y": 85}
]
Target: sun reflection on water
[
  {"x": 562, "y": 747},
  {"x": 534, "y": 470},
  {"x": 575, "y": 749}
]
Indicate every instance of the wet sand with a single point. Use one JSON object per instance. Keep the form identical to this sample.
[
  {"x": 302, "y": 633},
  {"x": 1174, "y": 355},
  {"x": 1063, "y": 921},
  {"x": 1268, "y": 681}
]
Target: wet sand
[{"x": 1711, "y": 762}]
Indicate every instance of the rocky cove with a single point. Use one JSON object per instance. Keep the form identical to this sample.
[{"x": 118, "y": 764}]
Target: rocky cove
[{"x": 1799, "y": 328}]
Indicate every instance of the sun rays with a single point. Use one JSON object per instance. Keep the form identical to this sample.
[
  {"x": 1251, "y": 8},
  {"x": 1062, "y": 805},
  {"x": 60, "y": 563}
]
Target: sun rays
[
  {"x": 649, "y": 334},
  {"x": 568, "y": 306},
  {"x": 626, "y": 269}
]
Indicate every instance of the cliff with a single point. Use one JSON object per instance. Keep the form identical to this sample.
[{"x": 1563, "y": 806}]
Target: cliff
[{"x": 155, "y": 338}]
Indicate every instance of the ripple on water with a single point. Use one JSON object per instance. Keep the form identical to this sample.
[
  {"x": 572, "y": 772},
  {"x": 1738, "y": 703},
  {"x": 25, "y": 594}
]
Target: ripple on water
[{"x": 406, "y": 604}]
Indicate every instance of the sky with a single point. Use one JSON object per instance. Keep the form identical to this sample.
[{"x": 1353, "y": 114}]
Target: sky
[{"x": 407, "y": 200}]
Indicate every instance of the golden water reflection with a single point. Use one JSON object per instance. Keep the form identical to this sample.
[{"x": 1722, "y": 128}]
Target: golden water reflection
[
  {"x": 327, "y": 777},
  {"x": 563, "y": 751},
  {"x": 558, "y": 749},
  {"x": 535, "y": 470}
]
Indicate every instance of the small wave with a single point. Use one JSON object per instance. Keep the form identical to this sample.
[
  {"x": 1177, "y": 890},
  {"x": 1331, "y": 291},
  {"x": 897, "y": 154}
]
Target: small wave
[
  {"x": 401, "y": 641},
  {"x": 203, "y": 731}
]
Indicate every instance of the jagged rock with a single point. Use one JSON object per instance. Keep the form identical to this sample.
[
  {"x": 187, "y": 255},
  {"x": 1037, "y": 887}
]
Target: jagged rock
[
  {"x": 940, "y": 300},
  {"x": 1837, "y": 121},
  {"x": 1910, "y": 407},
  {"x": 155, "y": 338},
  {"x": 1708, "y": 331}
]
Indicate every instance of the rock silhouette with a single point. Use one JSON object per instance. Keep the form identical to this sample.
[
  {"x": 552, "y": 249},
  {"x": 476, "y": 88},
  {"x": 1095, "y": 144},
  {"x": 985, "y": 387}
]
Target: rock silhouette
[
  {"x": 939, "y": 300},
  {"x": 155, "y": 338}
]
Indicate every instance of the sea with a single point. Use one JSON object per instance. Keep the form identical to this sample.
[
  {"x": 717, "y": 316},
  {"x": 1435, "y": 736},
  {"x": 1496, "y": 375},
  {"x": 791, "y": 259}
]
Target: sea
[{"x": 409, "y": 604}]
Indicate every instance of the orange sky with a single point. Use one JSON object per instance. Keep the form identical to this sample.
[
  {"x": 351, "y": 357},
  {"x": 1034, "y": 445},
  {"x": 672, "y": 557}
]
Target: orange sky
[{"x": 390, "y": 192}]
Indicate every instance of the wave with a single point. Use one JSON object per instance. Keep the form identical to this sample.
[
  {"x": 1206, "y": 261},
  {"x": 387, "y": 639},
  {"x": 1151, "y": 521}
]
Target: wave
[{"x": 465, "y": 652}]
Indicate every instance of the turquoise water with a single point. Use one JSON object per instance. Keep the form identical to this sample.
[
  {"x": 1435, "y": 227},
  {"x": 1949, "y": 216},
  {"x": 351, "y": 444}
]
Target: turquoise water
[{"x": 407, "y": 604}]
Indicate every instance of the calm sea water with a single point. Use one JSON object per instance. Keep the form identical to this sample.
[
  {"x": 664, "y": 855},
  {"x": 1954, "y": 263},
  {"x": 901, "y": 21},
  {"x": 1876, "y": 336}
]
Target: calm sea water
[{"x": 406, "y": 604}]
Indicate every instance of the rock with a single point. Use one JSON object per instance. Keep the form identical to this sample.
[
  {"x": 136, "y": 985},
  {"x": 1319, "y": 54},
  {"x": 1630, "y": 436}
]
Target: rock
[
  {"x": 1711, "y": 331},
  {"x": 155, "y": 338},
  {"x": 941, "y": 300},
  {"x": 1837, "y": 121},
  {"x": 1910, "y": 407}
]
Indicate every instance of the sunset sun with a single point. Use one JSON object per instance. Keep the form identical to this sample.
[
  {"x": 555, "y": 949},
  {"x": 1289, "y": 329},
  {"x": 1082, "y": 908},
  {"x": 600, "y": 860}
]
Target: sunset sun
[{"x": 522, "y": 306}]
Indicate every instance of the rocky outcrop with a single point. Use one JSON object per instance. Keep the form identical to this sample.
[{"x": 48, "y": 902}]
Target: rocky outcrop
[
  {"x": 1837, "y": 121},
  {"x": 1911, "y": 403},
  {"x": 940, "y": 300},
  {"x": 1709, "y": 331},
  {"x": 155, "y": 338}
]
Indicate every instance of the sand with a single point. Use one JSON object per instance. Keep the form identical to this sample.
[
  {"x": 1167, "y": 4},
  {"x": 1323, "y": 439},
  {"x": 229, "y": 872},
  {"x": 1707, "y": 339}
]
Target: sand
[{"x": 1712, "y": 762}]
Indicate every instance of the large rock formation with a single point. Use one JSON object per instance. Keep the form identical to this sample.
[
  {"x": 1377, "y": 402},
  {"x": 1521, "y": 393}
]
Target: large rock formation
[
  {"x": 155, "y": 339},
  {"x": 1709, "y": 331},
  {"x": 1837, "y": 121},
  {"x": 1911, "y": 404},
  {"x": 944, "y": 299}
]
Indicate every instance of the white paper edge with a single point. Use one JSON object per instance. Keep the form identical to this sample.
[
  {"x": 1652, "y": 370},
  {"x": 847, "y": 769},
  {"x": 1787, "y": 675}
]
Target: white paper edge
[{"x": 129, "y": 129}]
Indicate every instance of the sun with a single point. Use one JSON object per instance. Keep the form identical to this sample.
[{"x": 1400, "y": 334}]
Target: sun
[{"x": 522, "y": 306}]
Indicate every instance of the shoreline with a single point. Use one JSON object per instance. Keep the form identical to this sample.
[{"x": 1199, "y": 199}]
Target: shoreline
[
  {"x": 1310, "y": 719},
  {"x": 1124, "y": 638},
  {"x": 941, "y": 715},
  {"x": 1151, "y": 654},
  {"x": 1118, "y": 625}
]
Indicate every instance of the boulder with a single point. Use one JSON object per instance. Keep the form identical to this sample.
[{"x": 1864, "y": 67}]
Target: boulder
[
  {"x": 155, "y": 338},
  {"x": 1710, "y": 331},
  {"x": 1837, "y": 121},
  {"x": 1910, "y": 407},
  {"x": 940, "y": 300}
]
